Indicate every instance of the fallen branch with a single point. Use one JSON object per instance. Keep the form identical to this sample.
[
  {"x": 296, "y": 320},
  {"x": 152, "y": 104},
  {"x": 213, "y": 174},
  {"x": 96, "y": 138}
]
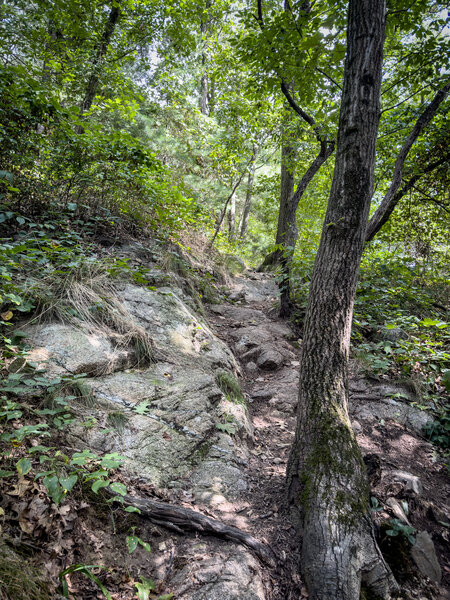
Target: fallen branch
[{"x": 181, "y": 519}]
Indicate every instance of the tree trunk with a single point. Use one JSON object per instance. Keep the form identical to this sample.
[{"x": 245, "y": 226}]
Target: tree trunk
[
  {"x": 290, "y": 234},
  {"x": 288, "y": 159},
  {"x": 92, "y": 86},
  {"x": 327, "y": 483},
  {"x": 204, "y": 79},
  {"x": 232, "y": 216},
  {"x": 248, "y": 196}
]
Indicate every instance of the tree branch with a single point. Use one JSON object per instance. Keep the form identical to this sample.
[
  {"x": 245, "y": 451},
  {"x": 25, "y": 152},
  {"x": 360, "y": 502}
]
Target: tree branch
[
  {"x": 377, "y": 225},
  {"x": 391, "y": 198}
]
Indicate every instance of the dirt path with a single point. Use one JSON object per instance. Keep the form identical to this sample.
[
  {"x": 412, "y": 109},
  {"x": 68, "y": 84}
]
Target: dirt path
[
  {"x": 404, "y": 469},
  {"x": 268, "y": 353}
]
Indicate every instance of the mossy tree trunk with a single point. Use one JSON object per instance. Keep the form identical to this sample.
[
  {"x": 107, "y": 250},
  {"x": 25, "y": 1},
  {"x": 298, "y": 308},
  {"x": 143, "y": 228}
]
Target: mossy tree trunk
[
  {"x": 327, "y": 483},
  {"x": 288, "y": 159}
]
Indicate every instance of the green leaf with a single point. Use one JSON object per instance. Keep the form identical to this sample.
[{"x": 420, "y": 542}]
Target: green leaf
[
  {"x": 4, "y": 473},
  {"x": 145, "y": 545},
  {"x": 68, "y": 482},
  {"x": 144, "y": 587},
  {"x": 23, "y": 466},
  {"x": 132, "y": 543},
  {"x": 99, "y": 484},
  {"x": 119, "y": 488},
  {"x": 130, "y": 509}
]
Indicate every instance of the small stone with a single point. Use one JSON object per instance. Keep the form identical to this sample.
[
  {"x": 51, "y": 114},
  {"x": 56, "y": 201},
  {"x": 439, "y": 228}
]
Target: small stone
[
  {"x": 424, "y": 555},
  {"x": 357, "y": 427},
  {"x": 277, "y": 461},
  {"x": 251, "y": 366},
  {"x": 397, "y": 509},
  {"x": 270, "y": 360},
  {"x": 412, "y": 482}
]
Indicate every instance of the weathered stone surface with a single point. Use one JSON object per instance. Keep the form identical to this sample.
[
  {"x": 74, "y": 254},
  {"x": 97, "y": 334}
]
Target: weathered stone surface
[
  {"x": 234, "y": 575},
  {"x": 412, "y": 482},
  {"x": 257, "y": 290},
  {"x": 269, "y": 359},
  {"x": 177, "y": 331},
  {"x": 163, "y": 418},
  {"x": 372, "y": 402},
  {"x": 424, "y": 555},
  {"x": 393, "y": 335},
  {"x": 76, "y": 351}
]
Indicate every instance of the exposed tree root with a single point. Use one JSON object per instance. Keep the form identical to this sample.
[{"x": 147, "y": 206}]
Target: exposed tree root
[{"x": 181, "y": 519}]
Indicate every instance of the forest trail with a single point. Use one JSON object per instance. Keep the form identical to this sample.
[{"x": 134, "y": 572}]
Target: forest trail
[
  {"x": 268, "y": 352},
  {"x": 402, "y": 466}
]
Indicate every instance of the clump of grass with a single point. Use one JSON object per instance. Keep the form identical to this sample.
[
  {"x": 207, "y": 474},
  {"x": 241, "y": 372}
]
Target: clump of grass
[
  {"x": 85, "y": 297},
  {"x": 118, "y": 420},
  {"x": 18, "y": 579},
  {"x": 230, "y": 387}
]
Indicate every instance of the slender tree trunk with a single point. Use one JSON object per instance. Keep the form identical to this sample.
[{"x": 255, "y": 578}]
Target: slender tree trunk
[
  {"x": 232, "y": 215},
  {"x": 290, "y": 234},
  {"x": 97, "y": 63},
  {"x": 327, "y": 483},
  {"x": 391, "y": 198},
  {"x": 225, "y": 206},
  {"x": 204, "y": 79},
  {"x": 248, "y": 196},
  {"x": 287, "y": 171}
]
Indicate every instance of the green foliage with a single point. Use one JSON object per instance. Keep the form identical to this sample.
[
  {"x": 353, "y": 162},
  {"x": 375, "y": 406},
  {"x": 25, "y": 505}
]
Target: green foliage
[
  {"x": 86, "y": 570},
  {"x": 133, "y": 541},
  {"x": 59, "y": 472},
  {"x": 397, "y": 527},
  {"x": 230, "y": 387}
]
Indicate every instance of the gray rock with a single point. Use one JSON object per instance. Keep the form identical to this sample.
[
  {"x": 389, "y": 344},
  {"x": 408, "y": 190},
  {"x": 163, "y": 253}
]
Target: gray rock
[
  {"x": 424, "y": 555},
  {"x": 412, "y": 482},
  {"x": 269, "y": 359},
  {"x": 175, "y": 328},
  {"x": 233, "y": 576},
  {"x": 251, "y": 366},
  {"x": 371, "y": 408},
  {"x": 76, "y": 351},
  {"x": 393, "y": 335},
  {"x": 357, "y": 427}
]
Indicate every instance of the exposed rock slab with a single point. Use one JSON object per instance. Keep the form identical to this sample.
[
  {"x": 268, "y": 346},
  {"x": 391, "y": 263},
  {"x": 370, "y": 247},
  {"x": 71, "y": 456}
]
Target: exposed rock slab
[
  {"x": 65, "y": 347},
  {"x": 424, "y": 555}
]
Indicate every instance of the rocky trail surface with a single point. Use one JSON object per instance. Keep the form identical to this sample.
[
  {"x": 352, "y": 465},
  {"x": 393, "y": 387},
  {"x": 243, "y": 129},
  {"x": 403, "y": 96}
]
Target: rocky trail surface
[
  {"x": 193, "y": 440},
  {"x": 408, "y": 482}
]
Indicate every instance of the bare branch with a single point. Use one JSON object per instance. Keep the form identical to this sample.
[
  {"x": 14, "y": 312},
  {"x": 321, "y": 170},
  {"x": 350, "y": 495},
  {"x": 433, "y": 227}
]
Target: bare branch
[{"x": 391, "y": 199}]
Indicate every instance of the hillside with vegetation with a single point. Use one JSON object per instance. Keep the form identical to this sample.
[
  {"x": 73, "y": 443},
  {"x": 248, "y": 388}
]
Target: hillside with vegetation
[{"x": 224, "y": 300}]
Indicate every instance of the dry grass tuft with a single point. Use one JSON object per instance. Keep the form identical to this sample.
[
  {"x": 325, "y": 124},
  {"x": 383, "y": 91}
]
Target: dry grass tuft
[
  {"x": 18, "y": 579},
  {"x": 86, "y": 297}
]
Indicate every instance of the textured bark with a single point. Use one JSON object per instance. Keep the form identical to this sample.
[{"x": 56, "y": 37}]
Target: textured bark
[
  {"x": 391, "y": 198},
  {"x": 204, "y": 79},
  {"x": 290, "y": 233},
  {"x": 288, "y": 158},
  {"x": 327, "y": 483},
  {"x": 232, "y": 216}
]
